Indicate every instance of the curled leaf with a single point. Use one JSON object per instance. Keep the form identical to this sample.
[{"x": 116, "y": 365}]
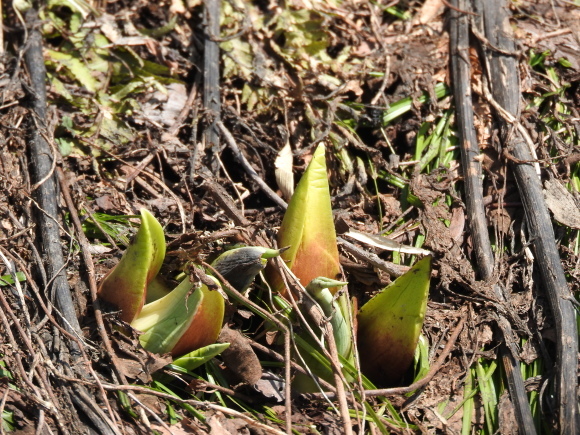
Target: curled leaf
[
  {"x": 319, "y": 290},
  {"x": 188, "y": 318},
  {"x": 205, "y": 327},
  {"x": 126, "y": 284},
  {"x": 283, "y": 171}
]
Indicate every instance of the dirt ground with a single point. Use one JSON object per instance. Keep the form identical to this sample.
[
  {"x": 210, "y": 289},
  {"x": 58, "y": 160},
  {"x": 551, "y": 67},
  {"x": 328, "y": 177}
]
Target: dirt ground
[{"x": 131, "y": 123}]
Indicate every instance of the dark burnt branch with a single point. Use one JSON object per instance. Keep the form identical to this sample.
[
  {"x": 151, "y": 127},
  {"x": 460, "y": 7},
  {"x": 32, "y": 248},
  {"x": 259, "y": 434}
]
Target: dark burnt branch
[
  {"x": 461, "y": 78},
  {"x": 504, "y": 83},
  {"x": 42, "y": 164},
  {"x": 211, "y": 79},
  {"x": 46, "y": 193}
]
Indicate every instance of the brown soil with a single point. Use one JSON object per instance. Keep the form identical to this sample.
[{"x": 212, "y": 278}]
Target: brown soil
[{"x": 271, "y": 87}]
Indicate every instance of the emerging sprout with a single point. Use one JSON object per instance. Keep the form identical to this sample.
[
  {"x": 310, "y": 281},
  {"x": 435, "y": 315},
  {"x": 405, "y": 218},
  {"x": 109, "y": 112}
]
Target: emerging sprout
[
  {"x": 390, "y": 323},
  {"x": 125, "y": 286},
  {"x": 179, "y": 321},
  {"x": 308, "y": 228}
]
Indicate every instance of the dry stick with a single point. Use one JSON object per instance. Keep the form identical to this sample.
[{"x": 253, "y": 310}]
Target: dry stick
[
  {"x": 167, "y": 189},
  {"x": 420, "y": 383},
  {"x": 35, "y": 254},
  {"x": 87, "y": 259},
  {"x": 93, "y": 291},
  {"x": 11, "y": 269},
  {"x": 5, "y": 393},
  {"x": 37, "y": 397},
  {"x": 461, "y": 74},
  {"x": 199, "y": 384},
  {"x": 241, "y": 159},
  {"x": 337, "y": 375},
  {"x": 394, "y": 270},
  {"x": 46, "y": 308},
  {"x": 186, "y": 109},
  {"x": 12, "y": 340},
  {"x": 41, "y": 163},
  {"x": 505, "y": 88},
  {"x": 140, "y": 167},
  {"x": 103, "y": 423},
  {"x": 151, "y": 412},
  {"x": 211, "y": 78},
  {"x": 223, "y": 200},
  {"x": 81, "y": 397}
]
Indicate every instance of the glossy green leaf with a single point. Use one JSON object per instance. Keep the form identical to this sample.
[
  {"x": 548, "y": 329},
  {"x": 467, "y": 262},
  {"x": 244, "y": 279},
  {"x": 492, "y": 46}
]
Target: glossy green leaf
[
  {"x": 164, "y": 321},
  {"x": 390, "y": 323},
  {"x": 125, "y": 286},
  {"x": 206, "y": 325},
  {"x": 194, "y": 359}
]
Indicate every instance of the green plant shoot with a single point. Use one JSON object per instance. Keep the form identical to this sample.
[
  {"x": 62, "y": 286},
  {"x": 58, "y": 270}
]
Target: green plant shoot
[
  {"x": 390, "y": 323},
  {"x": 308, "y": 228},
  {"x": 126, "y": 285},
  {"x": 186, "y": 319}
]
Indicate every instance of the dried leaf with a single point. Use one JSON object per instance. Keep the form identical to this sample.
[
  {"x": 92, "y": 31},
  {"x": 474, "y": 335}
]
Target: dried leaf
[
  {"x": 562, "y": 203},
  {"x": 283, "y": 171}
]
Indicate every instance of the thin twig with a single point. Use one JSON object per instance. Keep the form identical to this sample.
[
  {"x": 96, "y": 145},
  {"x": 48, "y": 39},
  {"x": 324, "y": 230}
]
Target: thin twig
[
  {"x": 338, "y": 377},
  {"x": 82, "y": 239},
  {"x": 239, "y": 156},
  {"x": 169, "y": 192},
  {"x": 150, "y": 412},
  {"x": 275, "y": 355},
  {"x": 211, "y": 77},
  {"x": 394, "y": 270},
  {"x": 185, "y": 110}
]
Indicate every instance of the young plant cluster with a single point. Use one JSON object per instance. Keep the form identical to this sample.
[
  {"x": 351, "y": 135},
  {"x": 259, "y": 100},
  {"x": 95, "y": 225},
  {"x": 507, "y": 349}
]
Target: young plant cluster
[{"x": 189, "y": 318}]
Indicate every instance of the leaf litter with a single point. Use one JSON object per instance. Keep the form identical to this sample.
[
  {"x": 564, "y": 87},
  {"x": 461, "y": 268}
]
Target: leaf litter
[{"x": 368, "y": 80}]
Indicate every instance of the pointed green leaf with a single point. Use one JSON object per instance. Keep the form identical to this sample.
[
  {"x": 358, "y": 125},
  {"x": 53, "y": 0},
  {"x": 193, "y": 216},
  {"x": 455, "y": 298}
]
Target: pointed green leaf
[
  {"x": 390, "y": 323},
  {"x": 194, "y": 359},
  {"x": 308, "y": 227},
  {"x": 125, "y": 286}
]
